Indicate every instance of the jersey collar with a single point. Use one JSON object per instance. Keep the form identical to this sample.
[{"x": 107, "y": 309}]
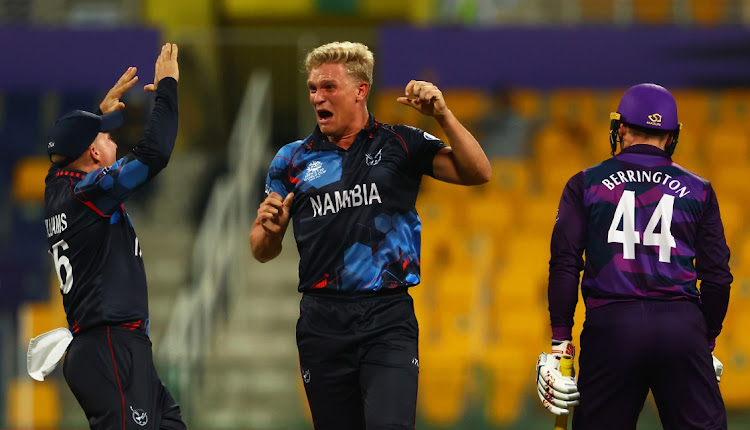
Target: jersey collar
[
  {"x": 319, "y": 142},
  {"x": 645, "y": 149},
  {"x": 78, "y": 174}
]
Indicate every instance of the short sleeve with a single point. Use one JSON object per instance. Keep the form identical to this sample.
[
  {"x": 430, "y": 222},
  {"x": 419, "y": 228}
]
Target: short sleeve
[
  {"x": 421, "y": 147},
  {"x": 277, "y": 179}
]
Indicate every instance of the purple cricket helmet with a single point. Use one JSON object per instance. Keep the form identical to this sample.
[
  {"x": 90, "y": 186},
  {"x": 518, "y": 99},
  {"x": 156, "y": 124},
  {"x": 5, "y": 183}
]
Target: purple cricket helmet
[{"x": 648, "y": 106}]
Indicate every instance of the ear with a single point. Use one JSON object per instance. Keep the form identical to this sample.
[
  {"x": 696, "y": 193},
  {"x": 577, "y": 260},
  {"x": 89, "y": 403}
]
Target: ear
[
  {"x": 363, "y": 89},
  {"x": 94, "y": 153},
  {"x": 623, "y": 130}
]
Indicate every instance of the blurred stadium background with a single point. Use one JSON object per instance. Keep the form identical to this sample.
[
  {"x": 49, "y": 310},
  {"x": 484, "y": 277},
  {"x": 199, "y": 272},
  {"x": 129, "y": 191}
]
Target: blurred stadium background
[{"x": 534, "y": 79}]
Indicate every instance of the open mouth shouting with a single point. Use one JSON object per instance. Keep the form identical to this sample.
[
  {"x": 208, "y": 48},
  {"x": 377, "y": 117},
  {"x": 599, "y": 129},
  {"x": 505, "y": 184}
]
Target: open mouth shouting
[{"x": 324, "y": 116}]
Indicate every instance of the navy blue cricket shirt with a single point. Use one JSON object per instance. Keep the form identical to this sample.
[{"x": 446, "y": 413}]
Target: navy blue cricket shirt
[
  {"x": 94, "y": 247},
  {"x": 355, "y": 222}
]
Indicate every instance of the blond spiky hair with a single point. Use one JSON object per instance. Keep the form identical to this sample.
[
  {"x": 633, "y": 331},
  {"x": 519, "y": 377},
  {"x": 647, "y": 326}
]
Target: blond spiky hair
[{"x": 357, "y": 57}]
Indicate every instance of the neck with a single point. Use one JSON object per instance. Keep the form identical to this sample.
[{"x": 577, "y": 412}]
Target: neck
[
  {"x": 82, "y": 166},
  {"x": 650, "y": 141},
  {"x": 347, "y": 138}
]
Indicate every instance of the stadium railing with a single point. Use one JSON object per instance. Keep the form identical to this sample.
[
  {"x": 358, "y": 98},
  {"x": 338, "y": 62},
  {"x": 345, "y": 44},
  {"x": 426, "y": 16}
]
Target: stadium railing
[{"x": 220, "y": 251}]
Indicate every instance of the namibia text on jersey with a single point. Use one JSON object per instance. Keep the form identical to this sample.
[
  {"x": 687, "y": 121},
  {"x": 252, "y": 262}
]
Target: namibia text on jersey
[{"x": 333, "y": 202}]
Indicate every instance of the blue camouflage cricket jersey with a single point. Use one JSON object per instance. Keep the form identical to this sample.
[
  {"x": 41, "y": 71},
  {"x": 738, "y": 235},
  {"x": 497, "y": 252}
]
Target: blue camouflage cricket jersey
[{"x": 353, "y": 213}]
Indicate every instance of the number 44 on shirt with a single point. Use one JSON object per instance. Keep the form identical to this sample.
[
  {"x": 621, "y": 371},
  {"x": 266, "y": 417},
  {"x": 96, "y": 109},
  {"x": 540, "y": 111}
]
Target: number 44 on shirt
[{"x": 628, "y": 236}]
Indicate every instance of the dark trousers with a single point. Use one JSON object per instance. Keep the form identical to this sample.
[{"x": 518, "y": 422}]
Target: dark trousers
[
  {"x": 111, "y": 373},
  {"x": 359, "y": 360},
  {"x": 628, "y": 348}
]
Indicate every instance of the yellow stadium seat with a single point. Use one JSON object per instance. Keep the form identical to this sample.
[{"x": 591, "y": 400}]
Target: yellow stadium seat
[
  {"x": 690, "y": 149},
  {"x": 652, "y": 12},
  {"x": 733, "y": 217},
  {"x": 526, "y": 323},
  {"x": 526, "y": 102},
  {"x": 509, "y": 386},
  {"x": 443, "y": 375},
  {"x": 517, "y": 287},
  {"x": 553, "y": 179},
  {"x": 573, "y": 105},
  {"x": 387, "y": 110},
  {"x": 33, "y": 404},
  {"x": 597, "y": 11},
  {"x": 727, "y": 145},
  {"x": 238, "y": 9},
  {"x": 38, "y": 318},
  {"x": 28, "y": 179},
  {"x": 708, "y": 12},
  {"x": 511, "y": 175},
  {"x": 467, "y": 104},
  {"x": 693, "y": 108},
  {"x": 561, "y": 141},
  {"x": 733, "y": 384},
  {"x": 734, "y": 107},
  {"x": 729, "y": 182}
]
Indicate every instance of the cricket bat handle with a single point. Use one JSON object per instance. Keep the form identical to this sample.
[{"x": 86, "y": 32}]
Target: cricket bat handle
[{"x": 566, "y": 368}]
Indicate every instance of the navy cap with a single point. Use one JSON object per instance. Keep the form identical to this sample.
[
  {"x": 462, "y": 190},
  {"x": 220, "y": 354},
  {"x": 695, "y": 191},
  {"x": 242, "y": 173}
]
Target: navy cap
[{"x": 75, "y": 131}]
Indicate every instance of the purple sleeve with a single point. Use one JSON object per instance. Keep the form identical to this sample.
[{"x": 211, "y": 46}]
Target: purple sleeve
[
  {"x": 566, "y": 262},
  {"x": 712, "y": 265}
]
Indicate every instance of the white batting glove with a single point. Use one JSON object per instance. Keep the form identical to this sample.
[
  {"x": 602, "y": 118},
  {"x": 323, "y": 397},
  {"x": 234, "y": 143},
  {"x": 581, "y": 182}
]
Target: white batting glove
[
  {"x": 556, "y": 392},
  {"x": 718, "y": 367}
]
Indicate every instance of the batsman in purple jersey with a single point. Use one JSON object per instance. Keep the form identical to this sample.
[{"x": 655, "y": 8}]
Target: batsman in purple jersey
[{"x": 650, "y": 229}]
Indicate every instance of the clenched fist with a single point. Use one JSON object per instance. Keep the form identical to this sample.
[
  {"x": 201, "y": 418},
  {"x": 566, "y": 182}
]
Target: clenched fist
[{"x": 424, "y": 97}]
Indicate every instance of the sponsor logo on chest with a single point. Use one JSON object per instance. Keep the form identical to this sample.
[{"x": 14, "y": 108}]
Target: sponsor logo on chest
[{"x": 314, "y": 171}]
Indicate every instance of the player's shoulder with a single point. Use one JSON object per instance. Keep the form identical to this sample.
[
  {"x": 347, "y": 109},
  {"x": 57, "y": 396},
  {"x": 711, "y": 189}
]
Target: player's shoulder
[
  {"x": 689, "y": 173},
  {"x": 408, "y": 132},
  {"x": 287, "y": 152}
]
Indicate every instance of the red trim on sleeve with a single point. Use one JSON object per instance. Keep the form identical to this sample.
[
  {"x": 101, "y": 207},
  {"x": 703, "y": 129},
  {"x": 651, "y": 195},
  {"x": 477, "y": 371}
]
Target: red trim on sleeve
[
  {"x": 402, "y": 141},
  {"x": 87, "y": 202}
]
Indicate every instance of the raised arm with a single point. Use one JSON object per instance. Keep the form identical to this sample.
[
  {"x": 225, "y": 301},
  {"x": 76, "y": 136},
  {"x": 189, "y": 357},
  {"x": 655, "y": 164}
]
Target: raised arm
[
  {"x": 464, "y": 162},
  {"x": 108, "y": 187}
]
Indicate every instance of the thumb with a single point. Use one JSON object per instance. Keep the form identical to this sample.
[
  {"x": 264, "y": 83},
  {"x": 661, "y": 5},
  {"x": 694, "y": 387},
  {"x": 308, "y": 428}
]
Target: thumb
[
  {"x": 150, "y": 88},
  {"x": 405, "y": 101},
  {"x": 288, "y": 201}
]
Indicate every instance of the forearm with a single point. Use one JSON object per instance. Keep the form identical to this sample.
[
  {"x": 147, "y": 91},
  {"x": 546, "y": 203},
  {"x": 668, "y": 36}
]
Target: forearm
[
  {"x": 471, "y": 163},
  {"x": 264, "y": 245},
  {"x": 566, "y": 258},
  {"x": 715, "y": 299},
  {"x": 562, "y": 294},
  {"x": 155, "y": 147}
]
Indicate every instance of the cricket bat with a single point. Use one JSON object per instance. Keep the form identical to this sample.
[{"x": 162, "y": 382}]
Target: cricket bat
[{"x": 566, "y": 368}]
